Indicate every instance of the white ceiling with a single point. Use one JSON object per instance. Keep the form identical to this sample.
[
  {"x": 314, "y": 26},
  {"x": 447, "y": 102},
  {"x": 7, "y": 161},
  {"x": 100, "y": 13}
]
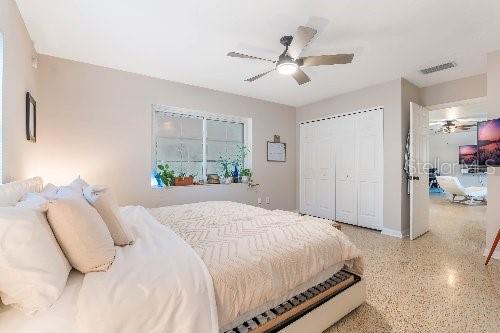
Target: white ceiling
[
  {"x": 187, "y": 41},
  {"x": 466, "y": 113}
]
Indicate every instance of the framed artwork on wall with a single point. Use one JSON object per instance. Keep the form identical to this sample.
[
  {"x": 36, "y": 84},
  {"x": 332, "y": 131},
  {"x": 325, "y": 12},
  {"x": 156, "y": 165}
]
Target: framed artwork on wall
[
  {"x": 276, "y": 151},
  {"x": 488, "y": 142},
  {"x": 30, "y": 118}
]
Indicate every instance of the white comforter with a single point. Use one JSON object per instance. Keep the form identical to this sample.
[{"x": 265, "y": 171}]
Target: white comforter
[
  {"x": 157, "y": 285},
  {"x": 257, "y": 256}
]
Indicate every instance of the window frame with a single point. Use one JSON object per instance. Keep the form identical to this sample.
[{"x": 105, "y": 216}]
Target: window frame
[{"x": 247, "y": 131}]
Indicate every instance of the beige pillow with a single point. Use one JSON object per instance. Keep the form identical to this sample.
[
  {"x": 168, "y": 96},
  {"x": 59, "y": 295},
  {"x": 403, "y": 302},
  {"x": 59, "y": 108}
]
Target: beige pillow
[
  {"x": 81, "y": 233},
  {"x": 105, "y": 204}
]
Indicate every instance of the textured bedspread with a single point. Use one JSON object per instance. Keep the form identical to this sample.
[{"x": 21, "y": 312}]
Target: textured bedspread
[{"x": 255, "y": 255}]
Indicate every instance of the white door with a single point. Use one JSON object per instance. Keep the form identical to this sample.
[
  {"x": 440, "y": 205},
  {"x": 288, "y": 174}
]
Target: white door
[
  {"x": 307, "y": 172},
  {"x": 370, "y": 157},
  {"x": 345, "y": 174},
  {"x": 324, "y": 169},
  {"x": 419, "y": 179}
]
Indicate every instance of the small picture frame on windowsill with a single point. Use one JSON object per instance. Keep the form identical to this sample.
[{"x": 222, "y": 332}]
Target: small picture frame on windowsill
[{"x": 30, "y": 118}]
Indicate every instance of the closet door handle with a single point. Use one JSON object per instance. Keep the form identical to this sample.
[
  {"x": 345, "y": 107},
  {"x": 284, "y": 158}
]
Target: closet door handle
[{"x": 414, "y": 178}]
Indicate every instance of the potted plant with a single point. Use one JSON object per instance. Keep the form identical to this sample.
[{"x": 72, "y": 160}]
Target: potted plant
[
  {"x": 245, "y": 175},
  {"x": 239, "y": 163},
  {"x": 183, "y": 180},
  {"x": 225, "y": 165},
  {"x": 166, "y": 174}
]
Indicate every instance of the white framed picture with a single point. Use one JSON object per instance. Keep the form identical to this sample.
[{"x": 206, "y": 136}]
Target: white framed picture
[{"x": 276, "y": 151}]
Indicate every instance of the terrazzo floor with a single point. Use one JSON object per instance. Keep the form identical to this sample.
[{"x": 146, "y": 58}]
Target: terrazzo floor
[{"x": 436, "y": 283}]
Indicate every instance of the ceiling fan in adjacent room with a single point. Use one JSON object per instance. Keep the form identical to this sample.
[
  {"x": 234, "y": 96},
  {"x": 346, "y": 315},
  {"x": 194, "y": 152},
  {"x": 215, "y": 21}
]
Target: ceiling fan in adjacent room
[
  {"x": 290, "y": 62},
  {"x": 451, "y": 126}
]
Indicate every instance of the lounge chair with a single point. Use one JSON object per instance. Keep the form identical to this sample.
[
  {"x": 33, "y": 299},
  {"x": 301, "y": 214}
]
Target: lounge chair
[{"x": 452, "y": 186}]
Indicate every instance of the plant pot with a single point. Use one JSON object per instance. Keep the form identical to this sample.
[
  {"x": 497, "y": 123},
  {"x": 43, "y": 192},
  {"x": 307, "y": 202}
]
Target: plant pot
[
  {"x": 245, "y": 179},
  {"x": 228, "y": 180},
  {"x": 183, "y": 181}
]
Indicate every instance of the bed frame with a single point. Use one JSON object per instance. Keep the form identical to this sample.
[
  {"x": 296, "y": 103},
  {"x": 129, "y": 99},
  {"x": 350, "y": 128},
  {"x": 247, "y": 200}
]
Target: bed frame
[{"x": 314, "y": 310}]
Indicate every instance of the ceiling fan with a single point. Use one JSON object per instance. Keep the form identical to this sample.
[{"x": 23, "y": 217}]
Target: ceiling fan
[
  {"x": 451, "y": 126},
  {"x": 290, "y": 62}
]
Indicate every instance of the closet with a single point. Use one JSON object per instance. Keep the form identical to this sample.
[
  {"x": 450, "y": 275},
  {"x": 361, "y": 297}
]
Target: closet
[{"x": 341, "y": 168}]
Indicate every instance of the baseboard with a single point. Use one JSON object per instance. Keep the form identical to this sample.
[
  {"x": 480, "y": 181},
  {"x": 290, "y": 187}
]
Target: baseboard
[
  {"x": 392, "y": 233},
  {"x": 496, "y": 254}
]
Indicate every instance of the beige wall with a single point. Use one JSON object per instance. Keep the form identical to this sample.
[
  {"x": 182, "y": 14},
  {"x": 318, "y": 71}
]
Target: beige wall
[
  {"x": 18, "y": 77},
  {"x": 96, "y": 122},
  {"x": 387, "y": 95},
  {"x": 493, "y": 103},
  {"x": 454, "y": 91}
]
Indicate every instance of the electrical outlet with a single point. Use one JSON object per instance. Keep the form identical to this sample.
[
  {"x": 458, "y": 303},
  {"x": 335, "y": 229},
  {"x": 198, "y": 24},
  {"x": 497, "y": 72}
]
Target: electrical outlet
[
  {"x": 259, "y": 201},
  {"x": 267, "y": 200}
]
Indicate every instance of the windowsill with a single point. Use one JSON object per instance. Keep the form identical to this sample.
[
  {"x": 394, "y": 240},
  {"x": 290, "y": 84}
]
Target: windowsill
[{"x": 204, "y": 185}]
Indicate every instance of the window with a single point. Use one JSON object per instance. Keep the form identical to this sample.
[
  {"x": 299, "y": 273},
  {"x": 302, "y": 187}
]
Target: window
[
  {"x": 192, "y": 143},
  {"x": 224, "y": 139},
  {"x": 179, "y": 142}
]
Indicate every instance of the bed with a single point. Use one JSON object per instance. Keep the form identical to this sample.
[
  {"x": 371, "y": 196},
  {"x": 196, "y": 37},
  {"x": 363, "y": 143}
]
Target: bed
[
  {"x": 211, "y": 267},
  {"x": 259, "y": 259}
]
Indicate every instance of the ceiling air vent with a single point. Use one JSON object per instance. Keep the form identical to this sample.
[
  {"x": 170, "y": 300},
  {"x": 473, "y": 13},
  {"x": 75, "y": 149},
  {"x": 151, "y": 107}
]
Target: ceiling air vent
[{"x": 438, "y": 68}]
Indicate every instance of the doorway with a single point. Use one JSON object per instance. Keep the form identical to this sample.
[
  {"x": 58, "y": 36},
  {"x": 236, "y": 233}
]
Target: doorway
[{"x": 455, "y": 181}]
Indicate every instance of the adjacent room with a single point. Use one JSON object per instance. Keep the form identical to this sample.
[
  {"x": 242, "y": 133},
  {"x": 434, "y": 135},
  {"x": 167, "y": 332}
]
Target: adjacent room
[{"x": 249, "y": 167}]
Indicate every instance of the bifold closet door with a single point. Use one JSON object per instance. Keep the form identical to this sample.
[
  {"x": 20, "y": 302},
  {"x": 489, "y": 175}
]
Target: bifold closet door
[
  {"x": 317, "y": 185},
  {"x": 370, "y": 155},
  {"x": 307, "y": 172},
  {"x": 324, "y": 169},
  {"x": 345, "y": 161}
]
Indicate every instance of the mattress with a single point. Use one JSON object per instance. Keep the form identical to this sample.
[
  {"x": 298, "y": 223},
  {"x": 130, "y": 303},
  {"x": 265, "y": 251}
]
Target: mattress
[
  {"x": 58, "y": 318},
  {"x": 258, "y": 258}
]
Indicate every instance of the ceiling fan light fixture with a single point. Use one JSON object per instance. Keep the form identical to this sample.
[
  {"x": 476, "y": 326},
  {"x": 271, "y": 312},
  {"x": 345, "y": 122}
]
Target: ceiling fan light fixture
[{"x": 287, "y": 68}]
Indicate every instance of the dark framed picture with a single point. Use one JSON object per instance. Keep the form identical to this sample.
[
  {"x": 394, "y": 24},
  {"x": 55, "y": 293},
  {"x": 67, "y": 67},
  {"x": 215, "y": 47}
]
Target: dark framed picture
[
  {"x": 276, "y": 151},
  {"x": 30, "y": 118}
]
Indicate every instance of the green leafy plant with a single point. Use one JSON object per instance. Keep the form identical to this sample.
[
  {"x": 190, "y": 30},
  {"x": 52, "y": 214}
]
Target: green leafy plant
[
  {"x": 241, "y": 155},
  {"x": 225, "y": 164},
  {"x": 166, "y": 174},
  {"x": 246, "y": 173}
]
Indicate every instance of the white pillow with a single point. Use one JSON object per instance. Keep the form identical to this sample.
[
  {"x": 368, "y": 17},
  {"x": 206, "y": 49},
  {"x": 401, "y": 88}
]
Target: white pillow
[
  {"x": 39, "y": 201},
  {"x": 74, "y": 190},
  {"x": 34, "y": 201},
  {"x": 78, "y": 184},
  {"x": 11, "y": 193},
  {"x": 49, "y": 191},
  {"x": 33, "y": 269}
]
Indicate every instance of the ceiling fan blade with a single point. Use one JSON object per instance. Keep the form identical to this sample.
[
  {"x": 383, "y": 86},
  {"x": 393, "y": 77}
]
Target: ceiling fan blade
[
  {"x": 246, "y": 56},
  {"x": 253, "y": 78},
  {"x": 335, "y": 59},
  {"x": 300, "y": 77},
  {"x": 302, "y": 37}
]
